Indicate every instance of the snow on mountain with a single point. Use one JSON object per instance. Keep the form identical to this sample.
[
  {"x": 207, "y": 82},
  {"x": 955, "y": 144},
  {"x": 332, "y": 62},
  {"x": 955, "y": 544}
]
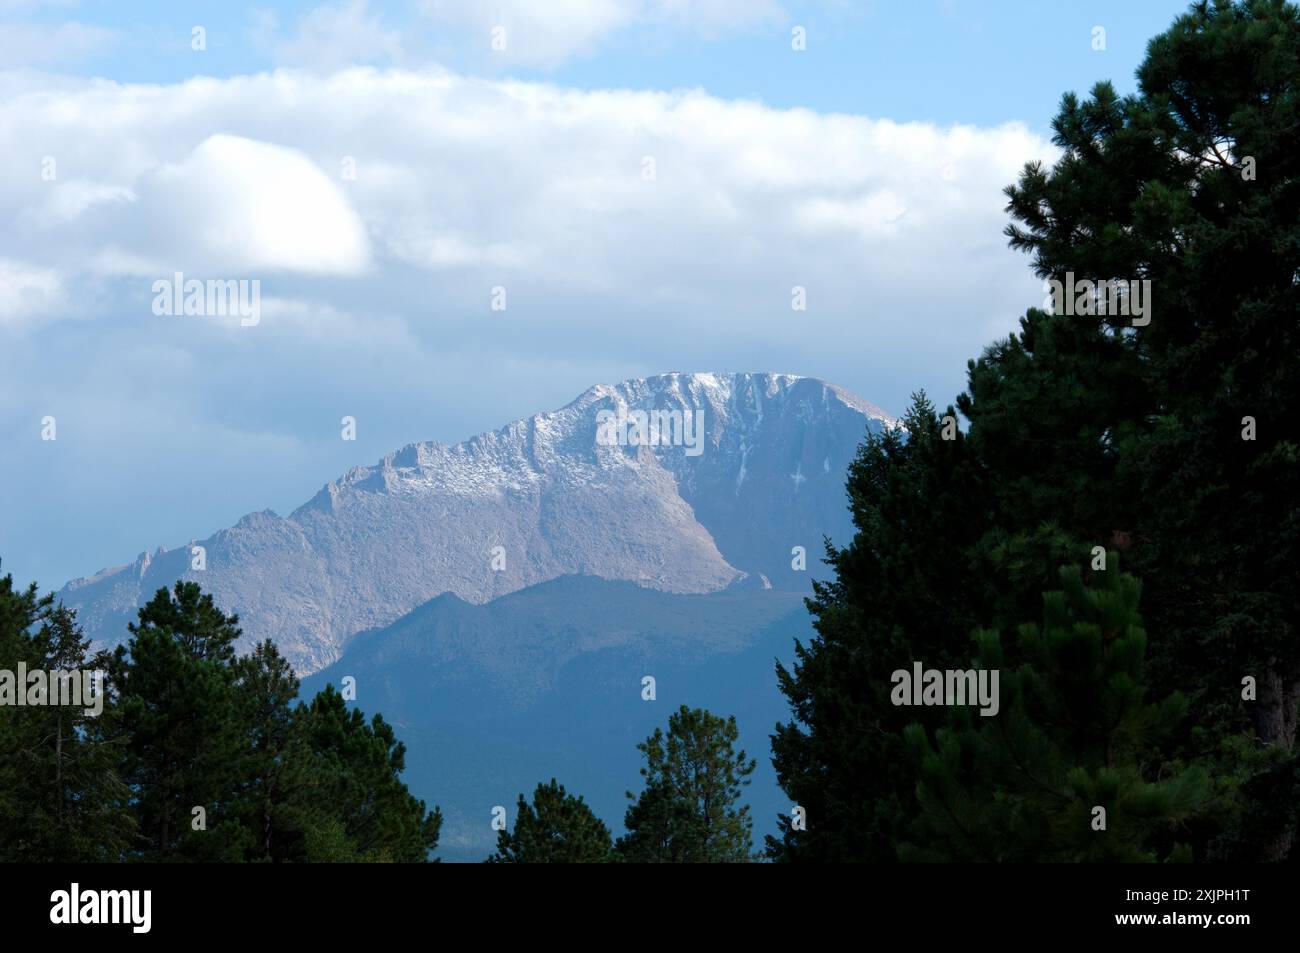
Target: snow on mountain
[{"x": 682, "y": 483}]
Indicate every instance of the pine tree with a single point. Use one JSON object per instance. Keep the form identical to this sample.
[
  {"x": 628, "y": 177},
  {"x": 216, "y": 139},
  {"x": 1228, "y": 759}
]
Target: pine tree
[
  {"x": 557, "y": 828},
  {"x": 689, "y": 810},
  {"x": 1175, "y": 441},
  {"x": 178, "y": 713},
  {"x": 198, "y": 754},
  {"x": 61, "y": 799},
  {"x": 275, "y": 769},
  {"x": 1064, "y": 771},
  {"x": 357, "y": 806},
  {"x": 907, "y": 587},
  {"x": 20, "y": 612},
  {"x": 207, "y": 729},
  {"x": 1193, "y": 184}
]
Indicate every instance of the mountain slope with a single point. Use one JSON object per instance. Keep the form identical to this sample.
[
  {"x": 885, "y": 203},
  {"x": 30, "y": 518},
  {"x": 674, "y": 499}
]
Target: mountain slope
[
  {"x": 754, "y": 467},
  {"x": 548, "y": 681}
]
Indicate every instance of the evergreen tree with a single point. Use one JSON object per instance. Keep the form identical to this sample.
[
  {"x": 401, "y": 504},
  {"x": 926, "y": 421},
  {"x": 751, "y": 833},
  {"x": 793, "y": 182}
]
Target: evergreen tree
[
  {"x": 1174, "y": 440},
  {"x": 20, "y": 611},
  {"x": 689, "y": 810},
  {"x": 178, "y": 713},
  {"x": 908, "y": 587},
  {"x": 186, "y": 724},
  {"x": 61, "y": 798},
  {"x": 360, "y": 808},
  {"x": 557, "y": 828},
  {"x": 1194, "y": 186},
  {"x": 270, "y": 801},
  {"x": 1064, "y": 771}
]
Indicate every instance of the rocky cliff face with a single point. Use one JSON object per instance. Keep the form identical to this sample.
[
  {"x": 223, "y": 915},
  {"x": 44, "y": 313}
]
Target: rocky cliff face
[{"x": 683, "y": 483}]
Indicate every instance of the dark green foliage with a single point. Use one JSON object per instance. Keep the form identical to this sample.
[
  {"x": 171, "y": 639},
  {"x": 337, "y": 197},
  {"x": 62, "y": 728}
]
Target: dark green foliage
[
  {"x": 354, "y": 768},
  {"x": 190, "y": 725},
  {"x": 61, "y": 798},
  {"x": 275, "y": 777},
  {"x": 915, "y": 499},
  {"x": 1085, "y": 430},
  {"x": 557, "y": 828},
  {"x": 689, "y": 810},
  {"x": 177, "y": 710},
  {"x": 1074, "y": 734},
  {"x": 1214, "y": 519}
]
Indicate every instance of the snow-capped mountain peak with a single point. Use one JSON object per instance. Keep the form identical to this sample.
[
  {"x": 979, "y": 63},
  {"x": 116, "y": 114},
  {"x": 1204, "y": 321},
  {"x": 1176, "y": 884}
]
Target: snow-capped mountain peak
[{"x": 679, "y": 482}]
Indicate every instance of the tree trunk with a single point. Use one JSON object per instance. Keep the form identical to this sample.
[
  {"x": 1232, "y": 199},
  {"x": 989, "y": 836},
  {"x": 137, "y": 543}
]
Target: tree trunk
[
  {"x": 1275, "y": 719},
  {"x": 58, "y": 762}
]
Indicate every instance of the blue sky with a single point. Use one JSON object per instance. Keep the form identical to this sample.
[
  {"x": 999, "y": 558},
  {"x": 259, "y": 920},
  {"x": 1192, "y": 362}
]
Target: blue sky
[
  {"x": 945, "y": 61},
  {"x": 379, "y": 169}
]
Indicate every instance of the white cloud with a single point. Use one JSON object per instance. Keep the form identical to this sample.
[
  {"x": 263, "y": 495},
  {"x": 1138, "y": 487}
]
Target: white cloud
[
  {"x": 27, "y": 292},
  {"x": 869, "y": 215},
  {"x": 69, "y": 200},
  {"x": 47, "y": 45},
  {"x": 376, "y": 291},
  {"x": 330, "y": 36},
  {"x": 516, "y": 183},
  {"x": 237, "y": 206}
]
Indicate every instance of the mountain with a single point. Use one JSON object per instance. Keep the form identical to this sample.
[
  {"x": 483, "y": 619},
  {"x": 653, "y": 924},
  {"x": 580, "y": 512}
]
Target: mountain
[
  {"x": 548, "y": 682},
  {"x": 682, "y": 483}
]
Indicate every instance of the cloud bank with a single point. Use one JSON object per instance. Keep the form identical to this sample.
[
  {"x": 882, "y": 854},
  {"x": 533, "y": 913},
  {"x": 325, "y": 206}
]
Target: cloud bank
[{"x": 384, "y": 212}]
